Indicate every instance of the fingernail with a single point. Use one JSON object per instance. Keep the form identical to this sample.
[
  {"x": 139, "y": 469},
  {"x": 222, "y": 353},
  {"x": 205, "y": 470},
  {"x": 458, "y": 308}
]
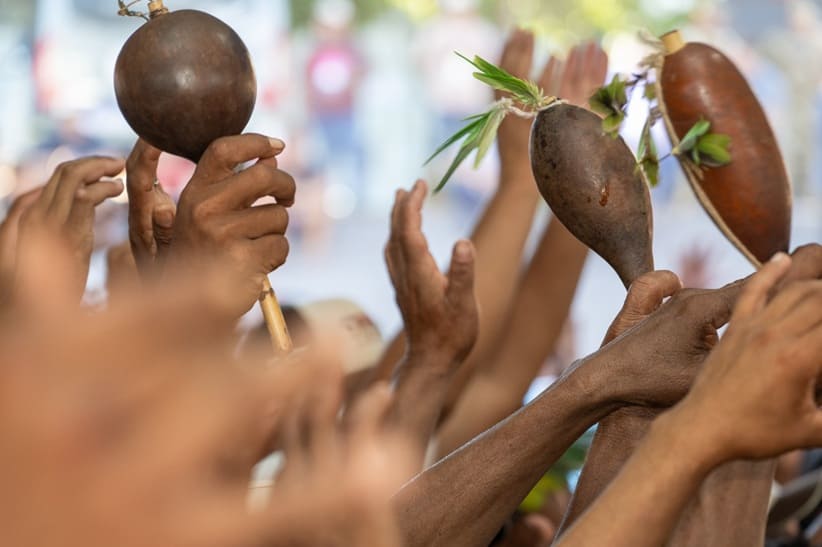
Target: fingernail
[
  {"x": 164, "y": 219},
  {"x": 780, "y": 257},
  {"x": 463, "y": 251},
  {"x": 277, "y": 145}
]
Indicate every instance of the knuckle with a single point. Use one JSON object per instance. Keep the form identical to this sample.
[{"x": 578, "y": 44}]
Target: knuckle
[
  {"x": 66, "y": 168},
  {"x": 278, "y": 253},
  {"x": 283, "y": 218},
  {"x": 762, "y": 337},
  {"x": 220, "y": 149},
  {"x": 82, "y": 197},
  {"x": 201, "y": 211},
  {"x": 289, "y": 185}
]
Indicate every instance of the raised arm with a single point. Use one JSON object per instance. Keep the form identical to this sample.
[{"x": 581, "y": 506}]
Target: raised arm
[
  {"x": 736, "y": 492},
  {"x": 440, "y": 315},
  {"x": 755, "y": 399},
  {"x": 500, "y": 235},
  {"x": 464, "y": 499}
]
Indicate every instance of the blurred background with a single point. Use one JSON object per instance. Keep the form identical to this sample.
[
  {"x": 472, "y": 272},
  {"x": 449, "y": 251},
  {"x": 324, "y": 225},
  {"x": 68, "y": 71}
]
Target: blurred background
[{"x": 364, "y": 90}]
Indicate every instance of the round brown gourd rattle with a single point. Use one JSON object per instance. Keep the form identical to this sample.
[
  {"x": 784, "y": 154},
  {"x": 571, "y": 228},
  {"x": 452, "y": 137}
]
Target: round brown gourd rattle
[{"x": 183, "y": 80}]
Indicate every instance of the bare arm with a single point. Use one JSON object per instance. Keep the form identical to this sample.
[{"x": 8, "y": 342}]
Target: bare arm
[
  {"x": 500, "y": 235},
  {"x": 440, "y": 315},
  {"x": 465, "y": 498},
  {"x": 539, "y": 313},
  {"x": 754, "y": 399},
  {"x": 737, "y": 492}
]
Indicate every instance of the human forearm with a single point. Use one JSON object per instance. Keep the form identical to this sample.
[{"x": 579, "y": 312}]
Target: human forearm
[
  {"x": 420, "y": 392},
  {"x": 540, "y": 310},
  {"x": 465, "y": 498},
  {"x": 642, "y": 505},
  {"x": 735, "y": 492},
  {"x": 616, "y": 439},
  {"x": 500, "y": 238}
]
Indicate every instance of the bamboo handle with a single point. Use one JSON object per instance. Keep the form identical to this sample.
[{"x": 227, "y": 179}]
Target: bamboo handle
[{"x": 274, "y": 320}]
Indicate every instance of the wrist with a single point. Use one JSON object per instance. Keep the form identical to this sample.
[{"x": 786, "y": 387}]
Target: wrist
[
  {"x": 586, "y": 378},
  {"x": 693, "y": 439},
  {"x": 515, "y": 172},
  {"x": 429, "y": 362}
]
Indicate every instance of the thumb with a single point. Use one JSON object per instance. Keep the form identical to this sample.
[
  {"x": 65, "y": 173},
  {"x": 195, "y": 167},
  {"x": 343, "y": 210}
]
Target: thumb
[
  {"x": 644, "y": 297},
  {"x": 461, "y": 273}
]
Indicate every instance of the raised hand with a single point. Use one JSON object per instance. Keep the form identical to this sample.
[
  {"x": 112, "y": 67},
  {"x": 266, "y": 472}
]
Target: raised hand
[
  {"x": 217, "y": 220},
  {"x": 579, "y": 76},
  {"x": 754, "y": 399},
  {"x": 151, "y": 211},
  {"x": 672, "y": 343},
  {"x": 439, "y": 310},
  {"x": 65, "y": 207},
  {"x": 160, "y": 439},
  {"x": 440, "y": 315},
  {"x": 762, "y": 377},
  {"x": 621, "y": 432}
]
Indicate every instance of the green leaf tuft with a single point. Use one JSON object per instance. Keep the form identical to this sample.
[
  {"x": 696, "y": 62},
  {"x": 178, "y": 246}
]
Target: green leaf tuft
[
  {"x": 690, "y": 139},
  {"x": 648, "y": 161},
  {"x": 611, "y": 101},
  {"x": 481, "y": 130},
  {"x": 714, "y": 149}
]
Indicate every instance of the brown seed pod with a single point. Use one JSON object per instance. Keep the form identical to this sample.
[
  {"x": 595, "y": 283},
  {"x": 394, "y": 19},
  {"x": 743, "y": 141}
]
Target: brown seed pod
[
  {"x": 183, "y": 80},
  {"x": 592, "y": 184},
  {"x": 750, "y": 198}
]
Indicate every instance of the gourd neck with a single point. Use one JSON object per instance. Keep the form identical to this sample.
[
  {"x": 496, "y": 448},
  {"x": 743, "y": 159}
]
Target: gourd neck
[
  {"x": 156, "y": 8},
  {"x": 673, "y": 42}
]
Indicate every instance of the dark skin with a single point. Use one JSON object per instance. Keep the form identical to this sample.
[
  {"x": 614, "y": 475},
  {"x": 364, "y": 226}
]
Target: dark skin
[
  {"x": 216, "y": 219},
  {"x": 65, "y": 207},
  {"x": 737, "y": 492},
  {"x": 753, "y": 400},
  {"x": 465, "y": 498},
  {"x": 440, "y": 316}
]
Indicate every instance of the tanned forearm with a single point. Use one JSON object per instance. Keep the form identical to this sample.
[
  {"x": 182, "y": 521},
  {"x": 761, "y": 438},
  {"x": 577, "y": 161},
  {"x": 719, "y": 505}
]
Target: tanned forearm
[
  {"x": 737, "y": 492},
  {"x": 616, "y": 439},
  {"x": 420, "y": 392},
  {"x": 464, "y": 499},
  {"x": 539, "y": 313},
  {"x": 641, "y": 507}
]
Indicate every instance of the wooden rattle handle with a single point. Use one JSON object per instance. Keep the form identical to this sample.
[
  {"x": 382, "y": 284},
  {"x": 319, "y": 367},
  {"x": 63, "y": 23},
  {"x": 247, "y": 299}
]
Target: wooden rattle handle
[{"x": 274, "y": 320}]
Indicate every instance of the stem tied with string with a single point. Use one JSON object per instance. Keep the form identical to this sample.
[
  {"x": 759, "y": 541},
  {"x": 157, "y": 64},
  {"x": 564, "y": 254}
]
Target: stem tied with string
[
  {"x": 155, "y": 8},
  {"x": 525, "y": 99}
]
